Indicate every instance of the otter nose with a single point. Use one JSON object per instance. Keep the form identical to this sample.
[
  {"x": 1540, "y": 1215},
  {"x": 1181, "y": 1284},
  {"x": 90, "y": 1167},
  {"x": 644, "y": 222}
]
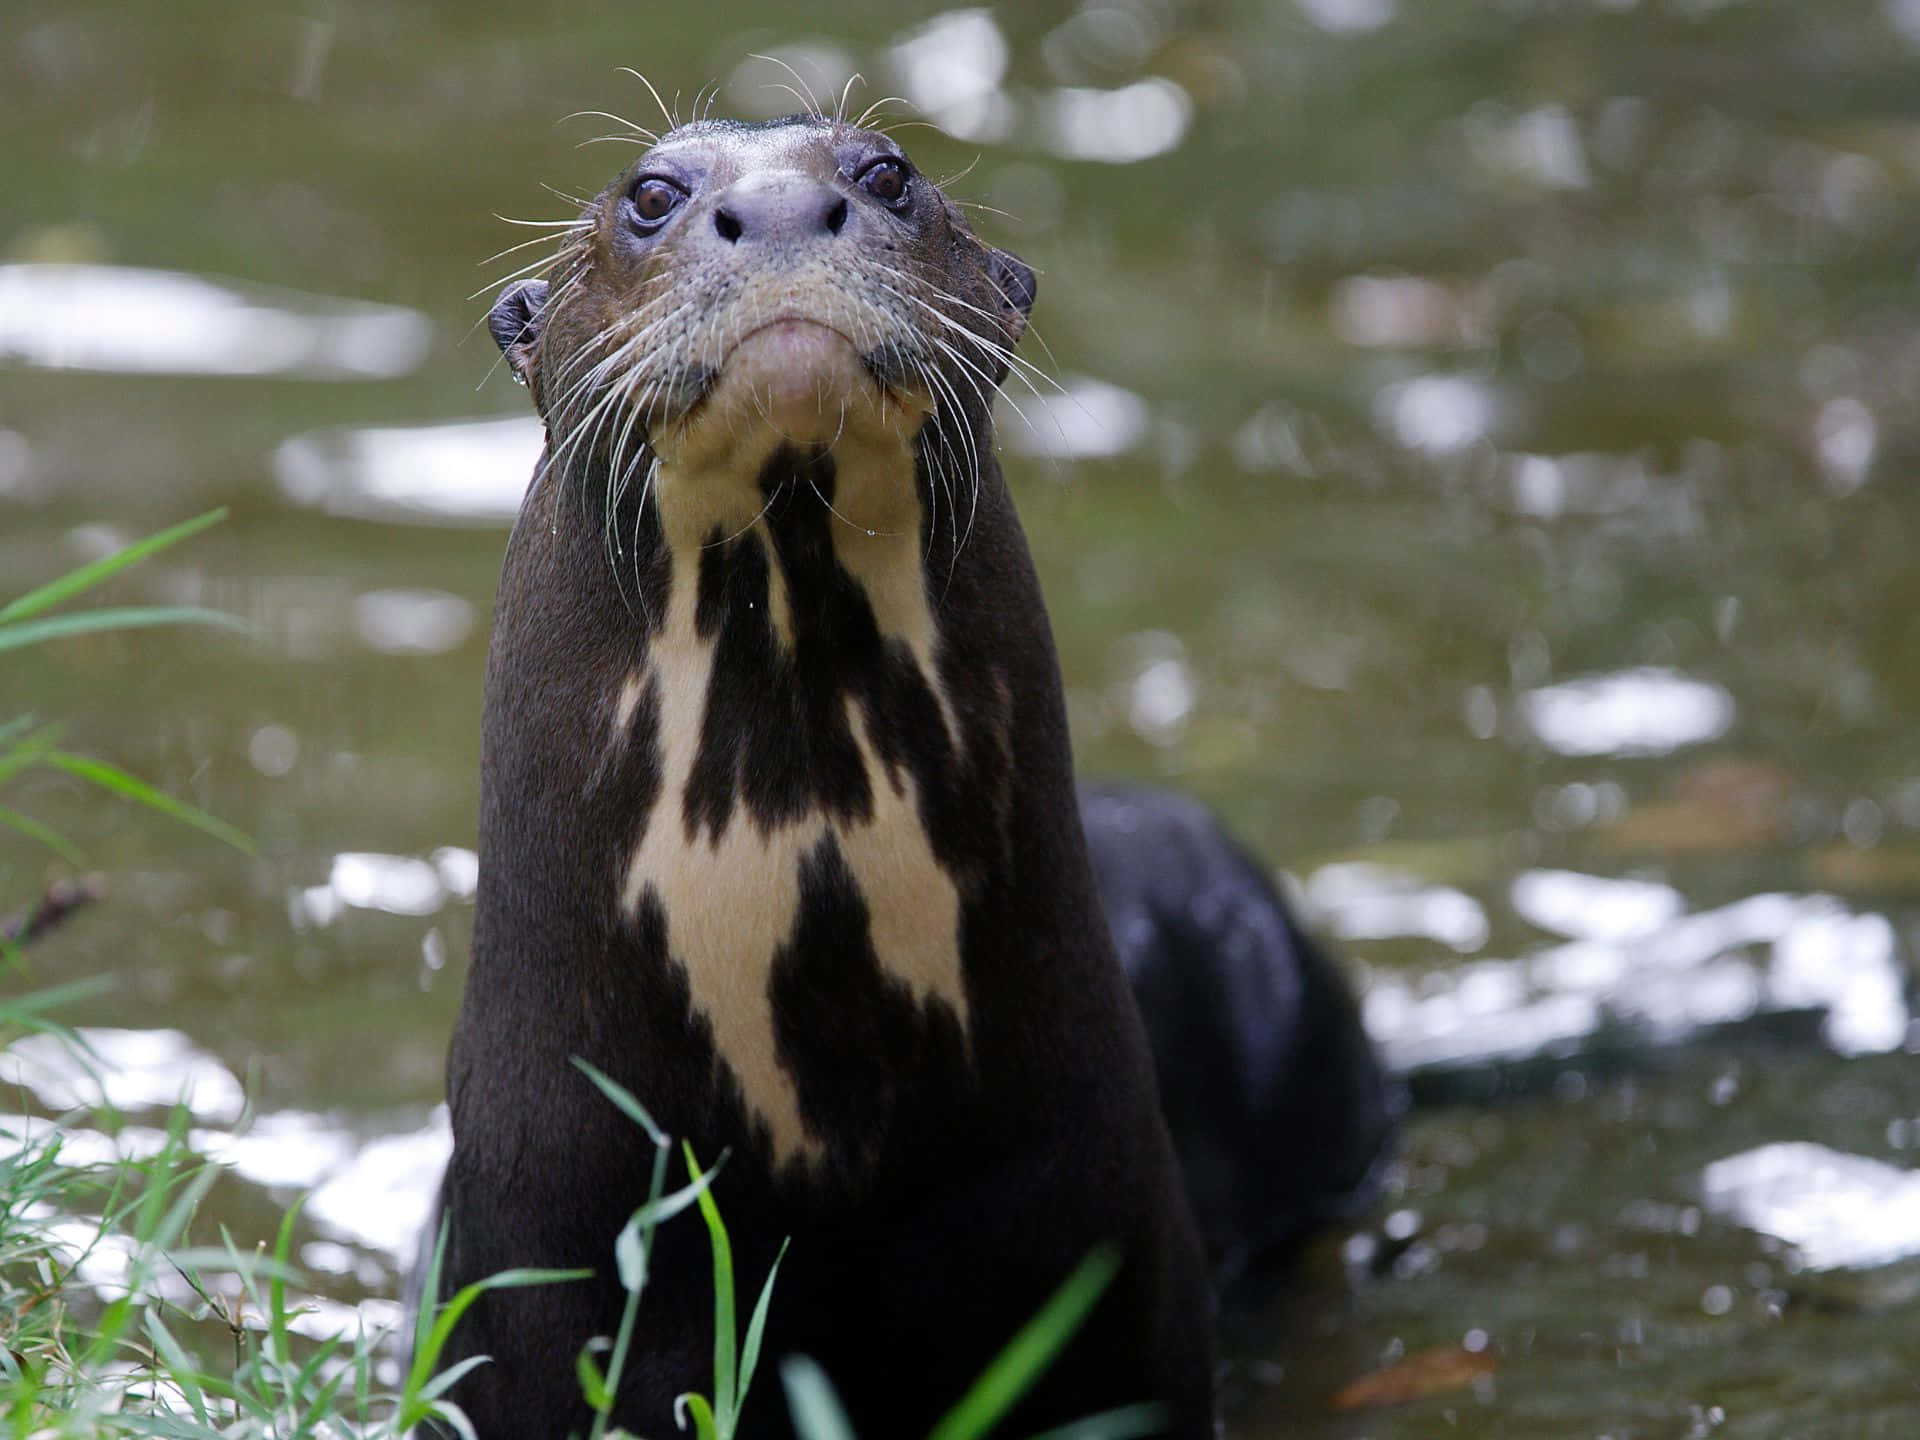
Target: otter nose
[{"x": 779, "y": 209}]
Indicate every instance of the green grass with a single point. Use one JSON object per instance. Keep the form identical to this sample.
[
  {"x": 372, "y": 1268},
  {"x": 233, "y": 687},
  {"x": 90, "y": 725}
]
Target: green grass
[{"x": 28, "y": 743}]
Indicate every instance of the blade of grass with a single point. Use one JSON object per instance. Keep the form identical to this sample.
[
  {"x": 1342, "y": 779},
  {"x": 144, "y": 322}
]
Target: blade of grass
[
  {"x": 75, "y": 582},
  {"x": 27, "y": 752},
  {"x": 44, "y": 834},
  {"x": 812, "y": 1401},
  {"x": 179, "y": 1368},
  {"x": 632, "y": 1253},
  {"x": 231, "y": 1260},
  {"x": 114, "y": 779},
  {"x": 452, "y": 1415},
  {"x": 88, "y": 622},
  {"x": 277, "y": 1285},
  {"x": 430, "y": 1291},
  {"x": 656, "y": 1212},
  {"x": 414, "y": 1406},
  {"x": 449, "y": 1377},
  {"x": 310, "y": 1371},
  {"x": 629, "y": 1104},
  {"x": 29, "y": 1012},
  {"x": 320, "y": 1408},
  {"x": 704, "y": 1426},
  {"x": 750, "y": 1352},
  {"x": 1129, "y": 1422},
  {"x": 593, "y": 1383},
  {"x": 724, "y": 1393},
  {"x": 1026, "y": 1357}
]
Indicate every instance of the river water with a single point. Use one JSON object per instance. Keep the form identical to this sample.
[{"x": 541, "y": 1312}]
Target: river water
[{"x": 1479, "y": 466}]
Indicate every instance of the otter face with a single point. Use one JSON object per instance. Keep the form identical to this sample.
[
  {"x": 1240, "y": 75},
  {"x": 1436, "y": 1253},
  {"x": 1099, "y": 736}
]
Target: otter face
[{"x": 746, "y": 286}]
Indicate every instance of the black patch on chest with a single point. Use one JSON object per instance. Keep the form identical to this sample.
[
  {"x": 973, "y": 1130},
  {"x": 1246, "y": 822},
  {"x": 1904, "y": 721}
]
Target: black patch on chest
[
  {"x": 775, "y": 738},
  {"x": 855, "y": 1038}
]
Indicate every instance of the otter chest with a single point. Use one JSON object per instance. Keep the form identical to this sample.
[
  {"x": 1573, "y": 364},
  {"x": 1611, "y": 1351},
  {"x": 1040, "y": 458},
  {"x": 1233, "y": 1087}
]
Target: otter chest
[{"x": 786, "y": 694}]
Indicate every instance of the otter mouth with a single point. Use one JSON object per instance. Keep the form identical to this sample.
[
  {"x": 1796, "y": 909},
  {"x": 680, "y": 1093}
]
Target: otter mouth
[{"x": 798, "y": 374}]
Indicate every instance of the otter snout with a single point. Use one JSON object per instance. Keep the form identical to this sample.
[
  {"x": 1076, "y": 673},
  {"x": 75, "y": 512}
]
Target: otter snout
[{"x": 779, "y": 210}]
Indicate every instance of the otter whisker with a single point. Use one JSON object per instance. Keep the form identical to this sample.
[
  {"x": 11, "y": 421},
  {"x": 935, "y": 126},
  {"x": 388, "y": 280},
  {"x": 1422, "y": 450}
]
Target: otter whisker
[
  {"x": 997, "y": 350},
  {"x": 563, "y": 195},
  {"x": 651, "y": 137},
  {"x": 1017, "y": 365},
  {"x": 613, "y": 140},
  {"x": 872, "y": 112},
  {"x": 673, "y": 121},
  {"x": 807, "y": 99},
  {"x": 761, "y": 515},
  {"x": 840, "y": 105}
]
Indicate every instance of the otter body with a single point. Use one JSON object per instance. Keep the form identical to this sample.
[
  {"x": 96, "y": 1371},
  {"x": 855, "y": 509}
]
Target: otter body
[{"x": 778, "y": 828}]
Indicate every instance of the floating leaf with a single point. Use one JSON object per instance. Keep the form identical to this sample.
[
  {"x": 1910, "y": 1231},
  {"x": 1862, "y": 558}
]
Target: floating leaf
[{"x": 1424, "y": 1373}]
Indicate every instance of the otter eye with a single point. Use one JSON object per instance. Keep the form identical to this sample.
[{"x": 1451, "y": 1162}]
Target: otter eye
[
  {"x": 886, "y": 180},
  {"x": 654, "y": 199}
]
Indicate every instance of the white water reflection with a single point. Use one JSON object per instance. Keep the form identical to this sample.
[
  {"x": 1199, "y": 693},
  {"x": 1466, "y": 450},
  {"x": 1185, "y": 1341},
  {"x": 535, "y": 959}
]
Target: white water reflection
[
  {"x": 1839, "y": 1211},
  {"x": 395, "y": 884},
  {"x": 1437, "y": 414},
  {"x": 1849, "y": 966},
  {"x": 950, "y": 69},
  {"x": 1664, "y": 979},
  {"x": 125, "y": 1070},
  {"x": 381, "y": 1198},
  {"x": 1085, "y": 419},
  {"x": 459, "y": 870},
  {"x": 1846, "y": 437},
  {"x": 163, "y": 322},
  {"x": 1134, "y": 122},
  {"x": 471, "y": 472},
  {"x": 1421, "y": 1024},
  {"x": 1359, "y": 900},
  {"x": 374, "y": 1194},
  {"x": 1395, "y": 312},
  {"x": 370, "y": 1200},
  {"x": 1539, "y": 147},
  {"x": 289, "y": 1149},
  {"x": 109, "y": 1263},
  {"x": 1591, "y": 907},
  {"x": 1585, "y": 483},
  {"x": 319, "y": 1318},
  {"x": 286, "y": 1150},
  {"x": 412, "y": 621},
  {"x": 1347, "y": 17},
  {"x": 1646, "y": 711},
  {"x": 1162, "y": 700},
  {"x": 81, "y": 1148}
]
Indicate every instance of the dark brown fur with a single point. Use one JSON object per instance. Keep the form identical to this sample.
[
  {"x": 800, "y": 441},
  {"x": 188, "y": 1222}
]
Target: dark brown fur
[{"x": 966, "y": 1169}]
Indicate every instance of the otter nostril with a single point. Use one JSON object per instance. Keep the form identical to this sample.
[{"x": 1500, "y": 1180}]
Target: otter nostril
[
  {"x": 728, "y": 225},
  {"x": 837, "y": 216}
]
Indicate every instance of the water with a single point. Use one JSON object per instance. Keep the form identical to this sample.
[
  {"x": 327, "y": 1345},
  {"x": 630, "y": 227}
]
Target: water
[{"x": 1480, "y": 472}]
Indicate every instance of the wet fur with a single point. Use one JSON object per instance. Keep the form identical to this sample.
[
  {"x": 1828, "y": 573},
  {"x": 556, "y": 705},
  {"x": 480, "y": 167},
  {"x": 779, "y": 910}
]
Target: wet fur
[{"x": 958, "y": 1164}]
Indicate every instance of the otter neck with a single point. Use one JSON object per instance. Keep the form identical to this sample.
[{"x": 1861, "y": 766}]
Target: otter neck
[{"x": 791, "y": 691}]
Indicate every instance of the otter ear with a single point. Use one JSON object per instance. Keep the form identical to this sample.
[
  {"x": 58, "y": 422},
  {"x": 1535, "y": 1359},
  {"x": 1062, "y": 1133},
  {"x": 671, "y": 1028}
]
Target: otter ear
[
  {"x": 1017, "y": 285},
  {"x": 515, "y": 323}
]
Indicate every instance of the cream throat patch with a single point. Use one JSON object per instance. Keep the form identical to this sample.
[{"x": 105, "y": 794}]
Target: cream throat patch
[{"x": 726, "y": 875}]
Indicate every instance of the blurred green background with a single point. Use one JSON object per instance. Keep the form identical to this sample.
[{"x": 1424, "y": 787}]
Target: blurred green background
[{"x": 1482, "y": 472}]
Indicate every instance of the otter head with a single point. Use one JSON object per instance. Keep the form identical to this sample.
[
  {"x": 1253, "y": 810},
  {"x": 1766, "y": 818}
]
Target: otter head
[{"x": 745, "y": 287}]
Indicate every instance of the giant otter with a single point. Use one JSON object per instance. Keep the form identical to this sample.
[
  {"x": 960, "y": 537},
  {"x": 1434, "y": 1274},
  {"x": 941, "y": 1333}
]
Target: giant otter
[{"x": 778, "y": 827}]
